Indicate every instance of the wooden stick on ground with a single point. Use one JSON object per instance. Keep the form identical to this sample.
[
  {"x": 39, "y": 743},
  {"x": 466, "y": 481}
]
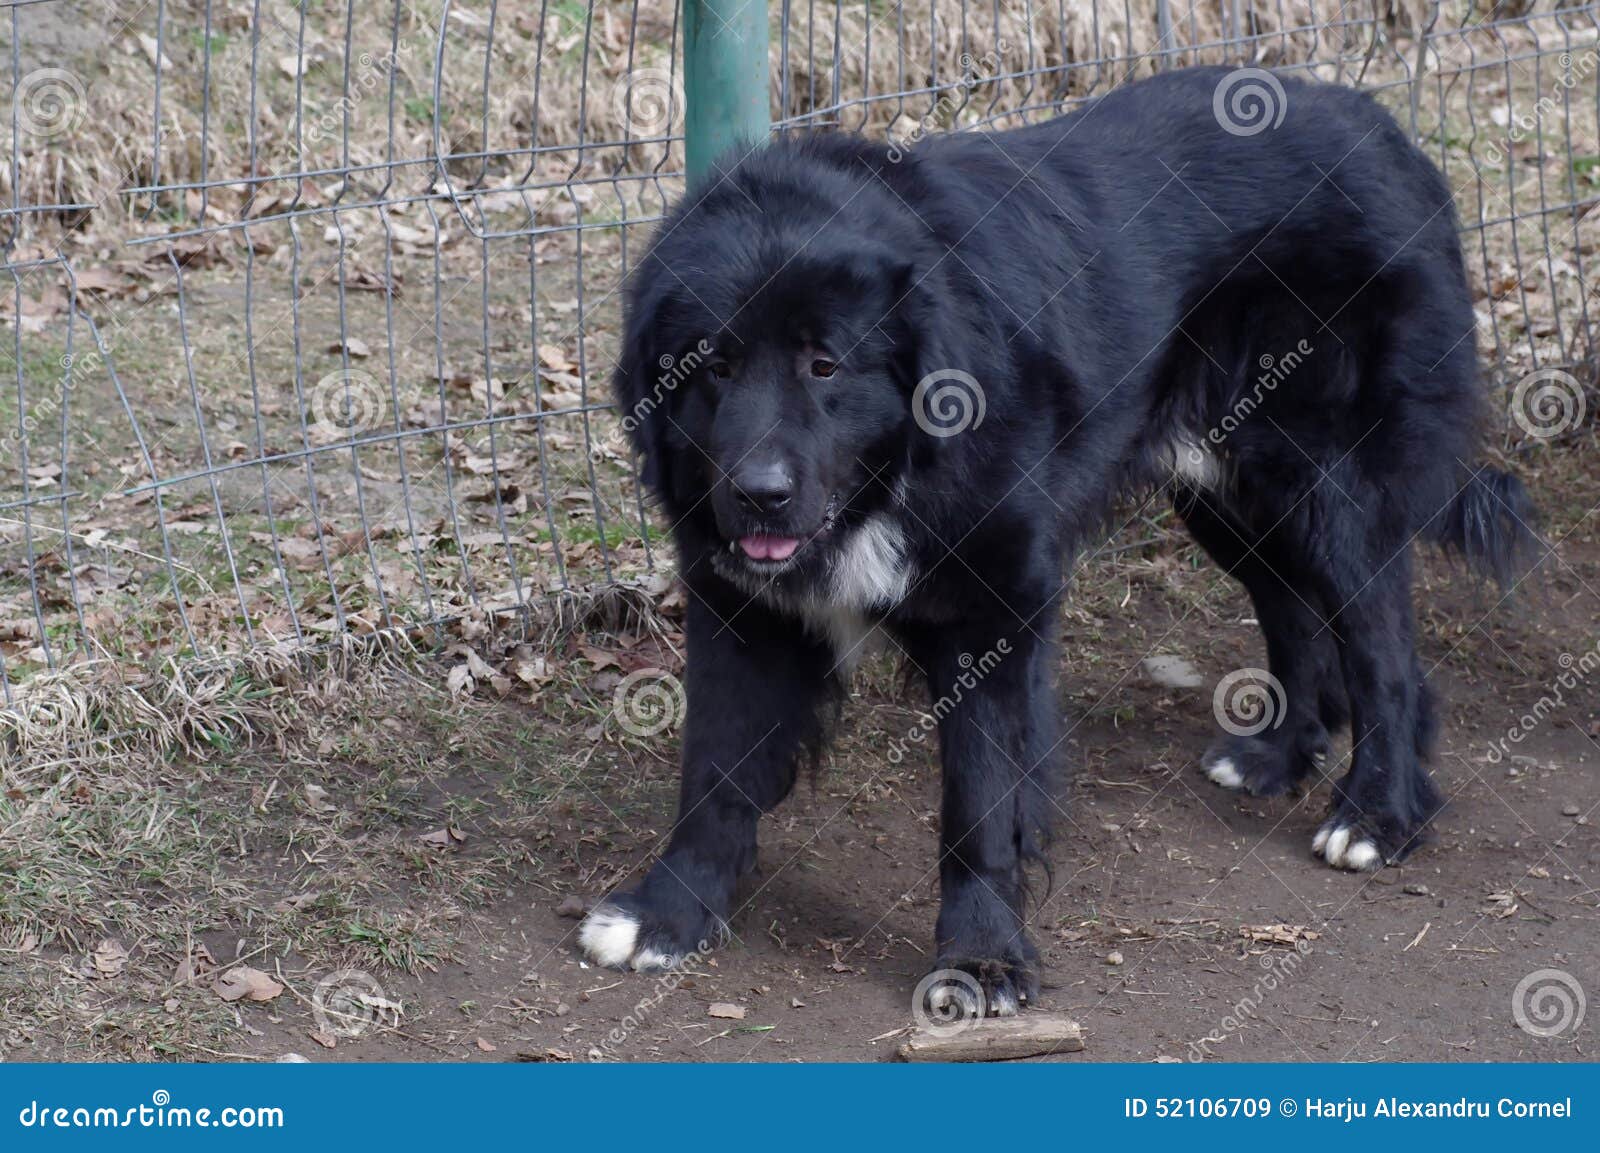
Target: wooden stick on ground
[{"x": 996, "y": 1039}]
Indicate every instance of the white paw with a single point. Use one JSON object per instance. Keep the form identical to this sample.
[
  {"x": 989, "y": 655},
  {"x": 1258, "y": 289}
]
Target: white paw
[
  {"x": 608, "y": 935},
  {"x": 1223, "y": 772},
  {"x": 1346, "y": 847},
  {"x": 1004, "y": 1003}
]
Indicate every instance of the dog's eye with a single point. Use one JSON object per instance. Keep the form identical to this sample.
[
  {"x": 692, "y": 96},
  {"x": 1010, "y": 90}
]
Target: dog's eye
[
  {"x": 823, "y": 367},
  {"x": 721, "y": 369}
]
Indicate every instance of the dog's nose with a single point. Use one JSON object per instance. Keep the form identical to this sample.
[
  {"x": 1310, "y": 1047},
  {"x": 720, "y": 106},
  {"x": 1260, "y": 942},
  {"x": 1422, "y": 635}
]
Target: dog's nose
[{"x": 764, "y": 486}]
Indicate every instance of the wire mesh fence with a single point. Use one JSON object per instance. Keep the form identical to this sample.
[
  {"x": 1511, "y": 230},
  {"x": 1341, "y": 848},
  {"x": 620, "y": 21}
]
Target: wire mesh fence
[{"x": 308, "y": 310}]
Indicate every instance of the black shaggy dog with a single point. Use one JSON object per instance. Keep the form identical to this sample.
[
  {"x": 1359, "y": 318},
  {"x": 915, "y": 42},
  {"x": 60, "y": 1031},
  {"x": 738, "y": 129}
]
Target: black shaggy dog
[{"x": 886, "y": 393}]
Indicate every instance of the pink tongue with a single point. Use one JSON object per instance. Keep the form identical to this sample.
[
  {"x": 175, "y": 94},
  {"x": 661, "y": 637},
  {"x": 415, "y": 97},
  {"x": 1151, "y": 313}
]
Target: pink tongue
[{"x": 768, "y": 547}]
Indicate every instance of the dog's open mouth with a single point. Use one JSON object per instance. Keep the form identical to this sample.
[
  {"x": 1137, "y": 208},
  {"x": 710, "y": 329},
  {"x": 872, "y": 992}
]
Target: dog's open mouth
[
  {"x": 770, "y": 552},
  {"x": 769, "y": 548}
]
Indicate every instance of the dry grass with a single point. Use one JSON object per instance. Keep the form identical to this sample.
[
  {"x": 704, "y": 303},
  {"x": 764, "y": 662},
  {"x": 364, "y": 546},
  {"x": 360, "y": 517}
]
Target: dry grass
[
  {"x": 151, "y": 601},
  {"x": 521, "y": 105}
]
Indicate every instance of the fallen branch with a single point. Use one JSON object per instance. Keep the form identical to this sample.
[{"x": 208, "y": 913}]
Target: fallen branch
[{"x": 996, "y": 1039}]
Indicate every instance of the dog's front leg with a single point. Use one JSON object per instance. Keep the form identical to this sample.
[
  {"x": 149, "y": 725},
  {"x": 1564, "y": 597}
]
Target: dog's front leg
[
  {"x": 756, "y": 685},
  {"x": 997, "y": 733}
]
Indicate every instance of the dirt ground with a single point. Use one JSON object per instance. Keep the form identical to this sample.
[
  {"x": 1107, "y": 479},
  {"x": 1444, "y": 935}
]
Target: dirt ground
[{"x": 431, "y": 843}]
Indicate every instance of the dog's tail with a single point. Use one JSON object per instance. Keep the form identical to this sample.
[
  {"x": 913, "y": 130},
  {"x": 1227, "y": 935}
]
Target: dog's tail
[{"x": 1490, "y": 524}]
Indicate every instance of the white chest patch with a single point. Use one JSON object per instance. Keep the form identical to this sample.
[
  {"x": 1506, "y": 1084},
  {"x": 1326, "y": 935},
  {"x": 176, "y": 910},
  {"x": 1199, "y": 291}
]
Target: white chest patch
[
  {"x": 871, "y": 571},
  {"x": 870, "y": 575},
  {"x": 1194, "y": 463}
]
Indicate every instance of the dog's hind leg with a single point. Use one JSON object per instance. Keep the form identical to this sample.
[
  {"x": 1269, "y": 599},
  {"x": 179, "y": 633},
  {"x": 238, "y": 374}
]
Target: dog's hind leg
[
  {"x": 757, "y": 685},
  {"x": 1296, "y": 744},
  {"x": 1382, "y": 804}
]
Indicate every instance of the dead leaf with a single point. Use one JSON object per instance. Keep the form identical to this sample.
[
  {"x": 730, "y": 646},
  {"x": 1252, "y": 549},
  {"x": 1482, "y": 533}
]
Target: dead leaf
[
  {"x": 354, "y": 345},
  {"x": 599, "y": 658},
  {"x": 326, "y": 1040},
  {"x": 446, "y": 838},
  {"x": 242, "y": 983},
  {"x": 317, "y": 798},
  {"x": 198, "y": 963},
  {"x": 485, "y": 1046},
  {"x": 109, "y": 958},
  {"x": 559, "y": 400},
  {"x": 725, "y": 1009}
]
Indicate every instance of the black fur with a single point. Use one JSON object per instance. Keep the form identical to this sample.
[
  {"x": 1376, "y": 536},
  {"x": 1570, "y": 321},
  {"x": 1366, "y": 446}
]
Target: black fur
[{"x": 1117, "y": 282}]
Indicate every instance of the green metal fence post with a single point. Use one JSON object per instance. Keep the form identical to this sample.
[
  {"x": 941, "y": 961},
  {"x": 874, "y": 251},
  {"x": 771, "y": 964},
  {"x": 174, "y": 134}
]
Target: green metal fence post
[{"x": 724, "y": 79}]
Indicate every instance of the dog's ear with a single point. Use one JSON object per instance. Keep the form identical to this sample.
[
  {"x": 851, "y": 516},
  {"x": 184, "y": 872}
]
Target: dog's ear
[
  {"x": 644, "y": 379},
  {"x": 919, "y": 321}
]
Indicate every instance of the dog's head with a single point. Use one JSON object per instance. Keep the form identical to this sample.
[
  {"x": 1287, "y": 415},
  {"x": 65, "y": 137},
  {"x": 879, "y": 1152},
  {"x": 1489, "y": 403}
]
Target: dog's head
[{"x": 773, "y": 339}]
